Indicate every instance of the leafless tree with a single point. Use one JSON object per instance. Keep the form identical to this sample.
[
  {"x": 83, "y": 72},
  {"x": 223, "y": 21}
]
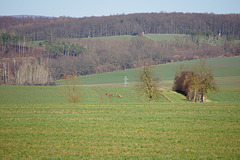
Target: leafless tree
[
  {"x": 148, "y": 83},
  {"x": 72, "y": 90}
]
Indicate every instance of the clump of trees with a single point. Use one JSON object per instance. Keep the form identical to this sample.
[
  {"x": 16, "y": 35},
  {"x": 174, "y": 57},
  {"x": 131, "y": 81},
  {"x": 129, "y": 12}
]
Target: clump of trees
[
  {"x": 204, "y": 36},
  {"x": 12, "y": 45},
  {"x": 148, "y": 83},
  {"x": 25, "y": 71},
  {"x": 195, "y": 82},
  {"x": 6, "y": 40},
  {"x": 61, "y": 48}
]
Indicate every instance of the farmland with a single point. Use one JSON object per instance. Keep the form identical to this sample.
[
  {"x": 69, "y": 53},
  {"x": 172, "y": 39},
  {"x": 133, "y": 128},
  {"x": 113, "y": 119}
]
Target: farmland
[
  {"x": 226, "y": 71},
  {"x": 119, "y": 132},
  {"x": 167, "y": 37},
  {"x": 37, "y": 123}
]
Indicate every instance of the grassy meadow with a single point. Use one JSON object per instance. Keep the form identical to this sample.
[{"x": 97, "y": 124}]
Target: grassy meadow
[
  {"x": 36, "y": 122},
  {"x": 158, "y": 37},
  {"x": 119, "y": 132}
]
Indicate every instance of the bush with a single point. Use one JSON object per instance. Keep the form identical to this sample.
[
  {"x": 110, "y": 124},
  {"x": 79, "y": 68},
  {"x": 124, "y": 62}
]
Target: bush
[{"x": 195, "y": 83}]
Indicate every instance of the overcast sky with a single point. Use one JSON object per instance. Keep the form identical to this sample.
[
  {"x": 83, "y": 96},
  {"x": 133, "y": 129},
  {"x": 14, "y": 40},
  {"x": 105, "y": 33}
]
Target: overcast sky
[{"x": 86, "y": 8}]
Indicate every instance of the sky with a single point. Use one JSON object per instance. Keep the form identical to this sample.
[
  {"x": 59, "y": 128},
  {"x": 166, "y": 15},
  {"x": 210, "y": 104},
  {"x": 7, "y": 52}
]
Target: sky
[{"x": 87, "y": 8}]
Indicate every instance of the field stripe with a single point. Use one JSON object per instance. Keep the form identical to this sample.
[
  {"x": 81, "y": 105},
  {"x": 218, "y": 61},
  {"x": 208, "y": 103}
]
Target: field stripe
[
  {"x": 169, "y": 100},
  {"x": 100, "y": 94},
  {"x": 110, "y": 97}
]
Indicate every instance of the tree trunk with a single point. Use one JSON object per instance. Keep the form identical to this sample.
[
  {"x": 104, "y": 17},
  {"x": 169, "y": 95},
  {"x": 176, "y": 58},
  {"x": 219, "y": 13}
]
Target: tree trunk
[
  {"x": 8, "y": 76},
  {"x": 4, "y": 73},
  {"x": 23, "y": 45},
  {"x": 202, "y": 96},
  {"x": 195, "y": 96}
]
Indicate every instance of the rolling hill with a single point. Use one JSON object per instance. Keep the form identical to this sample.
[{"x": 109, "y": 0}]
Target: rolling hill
[{"x": 225, "y": 69}]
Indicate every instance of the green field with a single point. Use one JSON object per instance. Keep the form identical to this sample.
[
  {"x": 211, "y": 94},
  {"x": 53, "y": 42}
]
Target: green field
[
  {"x": 164, "y": 37},
  {"x": 36, "y": 122},
  {"x": 225, "y": 69},
  {"x": 167, "y": 37},
  {"x": 119, "y": 132}
]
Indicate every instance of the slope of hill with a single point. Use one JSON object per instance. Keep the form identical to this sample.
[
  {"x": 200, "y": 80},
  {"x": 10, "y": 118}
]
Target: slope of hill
[
  {"x": 225, "y": 69},
  {"x": 87, "y": 56}
]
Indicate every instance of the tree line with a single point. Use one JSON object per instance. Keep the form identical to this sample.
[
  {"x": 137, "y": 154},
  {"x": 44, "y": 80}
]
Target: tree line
[{"x": 45, "y": 28}]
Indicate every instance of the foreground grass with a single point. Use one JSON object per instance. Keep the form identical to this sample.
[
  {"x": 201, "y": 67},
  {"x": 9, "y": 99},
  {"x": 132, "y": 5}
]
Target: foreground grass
[
  {"x": 37, "y": 123},
  {"x": 119, "y": 132},
  {"x": 54, "y": 95}
]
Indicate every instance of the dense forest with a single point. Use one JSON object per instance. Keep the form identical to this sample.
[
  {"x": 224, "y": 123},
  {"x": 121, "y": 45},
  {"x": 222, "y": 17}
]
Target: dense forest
[
  {"x": 42, "y": 28},
  {"x": 33, "y": 47}
]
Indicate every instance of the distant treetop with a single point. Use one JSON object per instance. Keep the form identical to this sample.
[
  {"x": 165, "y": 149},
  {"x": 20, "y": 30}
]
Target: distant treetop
[{"x": 41, "y": 28}]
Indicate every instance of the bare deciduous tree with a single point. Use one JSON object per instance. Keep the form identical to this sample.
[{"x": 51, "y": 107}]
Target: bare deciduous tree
[
  {"x": 206, "y": 77},
  {"x": 148, "y": 83},
  {"x": 72, "y": 90}
]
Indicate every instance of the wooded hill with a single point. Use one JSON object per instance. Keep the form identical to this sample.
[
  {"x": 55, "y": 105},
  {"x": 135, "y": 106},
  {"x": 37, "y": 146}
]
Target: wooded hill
[
  {"x": 63, "y": 51},
  {"x": 43, "y": 28}
]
